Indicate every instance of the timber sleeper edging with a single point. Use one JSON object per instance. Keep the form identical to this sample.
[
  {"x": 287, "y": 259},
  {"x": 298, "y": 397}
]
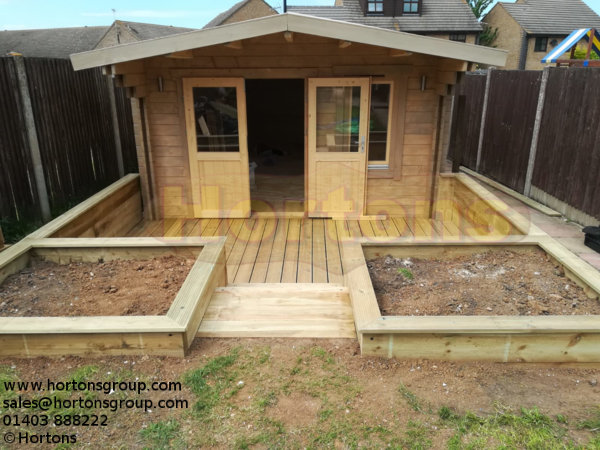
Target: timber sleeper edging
[{"x": 169, "y": 335}]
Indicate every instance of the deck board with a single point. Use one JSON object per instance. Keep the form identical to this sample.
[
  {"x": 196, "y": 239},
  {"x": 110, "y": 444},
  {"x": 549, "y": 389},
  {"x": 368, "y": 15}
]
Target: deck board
[
  {"x": 293, "y": 250},
  {"x": 305, "y": 262},
  {"x": 275, "y": 269},
  {"x": 334, "y": 261},
  {"x": 319, "y": 262},
  {"x": 290, "y": 262}
]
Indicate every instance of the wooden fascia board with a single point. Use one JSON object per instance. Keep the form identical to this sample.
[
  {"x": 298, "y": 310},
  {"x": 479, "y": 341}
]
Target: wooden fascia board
[
  {"x": 295, "y": 23},
  {"x": 187, "y": 41},
  {"x": 395, "y": 39}
]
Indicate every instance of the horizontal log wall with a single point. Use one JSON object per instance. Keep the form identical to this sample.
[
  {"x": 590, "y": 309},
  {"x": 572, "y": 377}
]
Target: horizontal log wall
[{"x": 405, "y": 188}]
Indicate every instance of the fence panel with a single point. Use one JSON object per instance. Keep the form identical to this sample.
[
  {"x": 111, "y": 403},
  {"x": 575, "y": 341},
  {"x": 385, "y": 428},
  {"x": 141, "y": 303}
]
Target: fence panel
[
  {"x": 74, "y": 126},
  {"x": 509, "y": 123},
  {"x": 473, "y": 88},
  {"x": 75, "y": 131},
  {"x": 17, "y": 184},
  {"x": 567, "y": 163}
]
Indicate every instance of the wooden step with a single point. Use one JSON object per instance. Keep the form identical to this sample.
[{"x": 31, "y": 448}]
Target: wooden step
[{"x": 279, "y": 310}]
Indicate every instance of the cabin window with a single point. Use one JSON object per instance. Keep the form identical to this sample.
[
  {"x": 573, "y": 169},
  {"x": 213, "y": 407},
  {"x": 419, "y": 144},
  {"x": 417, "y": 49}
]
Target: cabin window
[
  {"x": 375, "y": 7},
  {"x": 216, "y": 117},
  {"x": 541, "y": 44},
  {"x": 380, "y": 125},
  {"x": 458, "y": 37},
  {"x": 338, "y": 119},
  {"x": 411, "y": 7}
]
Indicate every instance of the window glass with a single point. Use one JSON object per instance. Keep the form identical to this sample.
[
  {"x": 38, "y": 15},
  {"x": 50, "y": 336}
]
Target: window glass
[
  {"x": 375, "y": 6},
  {"x": 379, "y": 122},
  {"x": 541, "y": 44},
  {"x": 458, "y": 37},
  {"x": 411, "y": 6},
  {"x": 216, "y": 117},
  {"x": 338, "y": 119}
]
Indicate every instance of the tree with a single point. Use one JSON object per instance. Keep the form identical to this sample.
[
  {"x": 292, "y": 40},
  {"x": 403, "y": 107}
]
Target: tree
[
  {"x": 581, "y": 53},
  {"x": 488, "y": 37},
  {"x": 479, "y": 6}
]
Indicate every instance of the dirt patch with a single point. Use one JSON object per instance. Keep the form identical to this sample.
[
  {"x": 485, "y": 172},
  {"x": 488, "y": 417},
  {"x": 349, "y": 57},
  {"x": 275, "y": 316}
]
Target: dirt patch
[
  {"x": 296, "y": 410},
  {"x": 350, "y": 396},
  {"x": 114, "y": 288},
  {"x": 491, "y": 284}
]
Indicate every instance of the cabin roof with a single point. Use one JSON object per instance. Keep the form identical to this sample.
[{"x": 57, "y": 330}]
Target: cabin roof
[{"x": 296, "y": 23}]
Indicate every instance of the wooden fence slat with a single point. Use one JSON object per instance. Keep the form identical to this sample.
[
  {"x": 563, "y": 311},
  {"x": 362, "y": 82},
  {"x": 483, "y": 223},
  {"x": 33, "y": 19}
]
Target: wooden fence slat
[
  {"x": 565, "y": 161},
  {"x": 75, "y": 130}
]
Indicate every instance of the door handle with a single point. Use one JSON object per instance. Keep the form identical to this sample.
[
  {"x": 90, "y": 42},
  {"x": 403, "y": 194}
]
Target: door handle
[{"x": 363, "y": 140}]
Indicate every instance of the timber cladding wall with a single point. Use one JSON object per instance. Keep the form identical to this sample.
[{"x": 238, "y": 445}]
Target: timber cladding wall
[
  {"x": 72, "y": 115},
  {"x": 401, "y": 191}
]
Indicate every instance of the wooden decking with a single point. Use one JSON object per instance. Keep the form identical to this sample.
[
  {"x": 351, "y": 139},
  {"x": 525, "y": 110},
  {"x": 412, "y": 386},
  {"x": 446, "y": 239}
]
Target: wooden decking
[
  {"x": 273, "y": 310},
  {"x": 290, "y": 250}
]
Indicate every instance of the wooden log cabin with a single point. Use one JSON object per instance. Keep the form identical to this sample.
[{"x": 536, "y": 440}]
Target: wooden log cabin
[{"x": 290, "y": 115}]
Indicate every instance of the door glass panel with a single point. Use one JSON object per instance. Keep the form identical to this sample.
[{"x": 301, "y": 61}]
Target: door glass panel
[
  {"x": 338, "y": 119},
  {"x": 380, "y": 117},
  {"x": 216, "y": 117}
]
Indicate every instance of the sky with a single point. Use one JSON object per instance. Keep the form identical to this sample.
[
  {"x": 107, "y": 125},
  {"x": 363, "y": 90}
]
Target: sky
[{"x": 28, "y": 14}]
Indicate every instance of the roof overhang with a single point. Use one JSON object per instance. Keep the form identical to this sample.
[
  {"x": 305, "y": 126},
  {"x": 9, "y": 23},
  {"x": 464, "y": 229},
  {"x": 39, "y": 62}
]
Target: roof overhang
[{"x": 296, "y": 23}]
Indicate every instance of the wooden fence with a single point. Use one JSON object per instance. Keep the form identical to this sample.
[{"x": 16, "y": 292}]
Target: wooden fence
[
  {"x": 535, "y": 132},
  {"x": 71, "y": 129}
]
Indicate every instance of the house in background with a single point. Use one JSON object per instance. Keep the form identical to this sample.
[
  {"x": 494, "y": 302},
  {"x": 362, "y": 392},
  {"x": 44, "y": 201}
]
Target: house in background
[
  {"x": 122, "y": 32},
  {"x": 530, "y": 29},
  {"x": 50, "y": 42},
  {"x": 445, "y": 19},
  {"x": 62, "y": 42},
  {"x": 244, "y": 10}
]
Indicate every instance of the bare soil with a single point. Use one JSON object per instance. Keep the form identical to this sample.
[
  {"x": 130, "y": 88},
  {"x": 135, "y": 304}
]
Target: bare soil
[
  {"x": 113, "y": 288},
  {"x": 492, "y": 284},
  {"x": 367, "y": 397}
]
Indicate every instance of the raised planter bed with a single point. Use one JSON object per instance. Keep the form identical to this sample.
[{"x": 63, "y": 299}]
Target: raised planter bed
[
  {"x": 171, "y": 334},
  {"x": 473, "y": 338}
]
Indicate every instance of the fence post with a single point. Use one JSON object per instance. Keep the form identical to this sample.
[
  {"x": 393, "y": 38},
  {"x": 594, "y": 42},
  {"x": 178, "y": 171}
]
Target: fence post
[
  {"x": 457, "y": 125},
  {"x": 483, "y": 116},
  {"x": 536, "y": 131},
  {"x": 34, "y": 145},
  {"x": 115, "y": 119}
]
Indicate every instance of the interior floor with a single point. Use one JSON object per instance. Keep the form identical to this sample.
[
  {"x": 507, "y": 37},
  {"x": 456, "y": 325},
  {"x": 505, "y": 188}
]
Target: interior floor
[{"x": 276, "y": 144}]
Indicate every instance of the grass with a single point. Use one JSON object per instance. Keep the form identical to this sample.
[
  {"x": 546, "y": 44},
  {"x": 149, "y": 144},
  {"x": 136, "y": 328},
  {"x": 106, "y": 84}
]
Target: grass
[
  {"x": 592, "y": 424},
  {"x": 406, "y": 273},
  {"x": 416, "y": 436},
  {"x": 529, "y": 429},
  {"x": 209, "y": 395},
  {"x": 160, "y": 434},
  {"x": 412, "y": 400},
  {"x": 241, "y": 400}
]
